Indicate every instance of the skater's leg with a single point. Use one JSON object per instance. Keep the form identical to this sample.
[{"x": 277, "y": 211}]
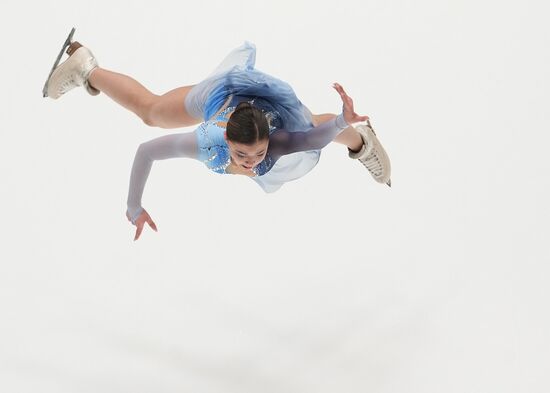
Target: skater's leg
[
  {"x": 169, "y": 110},
  {"x": 166, "y": 111},
  {"x": 349, "y": 137}
]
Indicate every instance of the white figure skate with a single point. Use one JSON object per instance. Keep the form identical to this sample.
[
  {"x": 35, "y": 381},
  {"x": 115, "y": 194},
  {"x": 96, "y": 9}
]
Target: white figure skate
[
  {"x": 372, "y": 155},
  {"x": 72, "y": 72}
]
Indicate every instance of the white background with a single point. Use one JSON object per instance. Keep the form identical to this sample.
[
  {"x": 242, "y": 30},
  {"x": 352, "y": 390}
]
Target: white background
[{"x": 335, "y": 283}]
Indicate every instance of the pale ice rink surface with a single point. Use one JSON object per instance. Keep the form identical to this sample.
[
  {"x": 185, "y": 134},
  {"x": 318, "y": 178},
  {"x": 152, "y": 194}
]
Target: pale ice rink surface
[{"x": 332, "y": 284}]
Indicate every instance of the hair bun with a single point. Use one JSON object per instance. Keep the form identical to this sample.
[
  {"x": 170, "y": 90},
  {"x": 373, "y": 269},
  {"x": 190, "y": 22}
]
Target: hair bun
[
  {"x": 247, "y": 124},
  {"x": 243, "y": 105}
]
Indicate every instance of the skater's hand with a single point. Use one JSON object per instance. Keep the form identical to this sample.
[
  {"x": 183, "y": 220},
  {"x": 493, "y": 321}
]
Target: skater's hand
[
  {"x": 349, "y": 114},
  {"x": 143, "y": 218}
]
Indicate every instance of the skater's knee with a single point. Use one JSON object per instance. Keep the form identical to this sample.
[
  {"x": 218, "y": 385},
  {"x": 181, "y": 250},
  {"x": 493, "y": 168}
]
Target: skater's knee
[
  {"x": 148, "y": 120},
  {"x": 150, "y": 114}
]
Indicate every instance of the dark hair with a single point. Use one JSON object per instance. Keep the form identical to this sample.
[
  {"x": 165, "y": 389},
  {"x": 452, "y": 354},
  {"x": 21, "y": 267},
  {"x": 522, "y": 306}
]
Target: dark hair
[{"x": 247, "y": 125}]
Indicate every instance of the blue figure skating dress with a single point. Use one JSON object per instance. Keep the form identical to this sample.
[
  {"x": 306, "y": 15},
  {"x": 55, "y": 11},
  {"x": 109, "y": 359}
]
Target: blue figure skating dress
[{"x": 237, "y": 78}]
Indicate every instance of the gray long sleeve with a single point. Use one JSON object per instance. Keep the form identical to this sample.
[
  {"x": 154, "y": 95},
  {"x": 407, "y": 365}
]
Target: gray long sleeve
[
  {"x": 164, "y": 147},
  {"x": 283, "y": 142}
]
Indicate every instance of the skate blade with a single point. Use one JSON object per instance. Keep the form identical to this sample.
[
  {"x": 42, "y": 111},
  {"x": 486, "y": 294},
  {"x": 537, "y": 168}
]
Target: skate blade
[{"x": 65, "y": 45}]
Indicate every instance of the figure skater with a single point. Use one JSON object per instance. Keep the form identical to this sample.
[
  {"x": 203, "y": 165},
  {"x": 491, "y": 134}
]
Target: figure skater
[{"x": 251, "y": 123}]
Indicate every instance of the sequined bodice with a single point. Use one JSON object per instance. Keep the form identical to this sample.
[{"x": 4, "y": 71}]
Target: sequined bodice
[{"x": 212, "y": 142}]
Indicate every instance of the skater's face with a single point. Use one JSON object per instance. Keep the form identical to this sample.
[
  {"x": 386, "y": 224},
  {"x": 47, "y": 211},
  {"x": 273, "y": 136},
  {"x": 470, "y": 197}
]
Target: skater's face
[{"x": 248, "y": 156}]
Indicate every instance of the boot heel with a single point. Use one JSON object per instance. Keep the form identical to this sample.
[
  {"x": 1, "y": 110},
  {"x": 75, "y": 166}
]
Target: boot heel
[{"x": 73, "y": 47}]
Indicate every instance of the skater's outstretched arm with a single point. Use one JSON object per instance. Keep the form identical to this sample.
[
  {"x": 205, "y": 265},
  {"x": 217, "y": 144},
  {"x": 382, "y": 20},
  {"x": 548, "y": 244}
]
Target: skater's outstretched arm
[
  {"x": 283, "y": 142},
  {"x": 162, "y": 148}
]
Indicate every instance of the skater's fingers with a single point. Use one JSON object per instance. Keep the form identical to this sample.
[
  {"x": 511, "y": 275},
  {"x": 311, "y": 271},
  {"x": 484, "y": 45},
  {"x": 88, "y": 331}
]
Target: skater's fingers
[
  {"x": 339, "y": 89},
  {"x": 138, "y": 231},
  {"x": 348, "y": 107},
  {"x": 343, "y": 95},
  {"x": 152, "y": 224},
  {"x": 338, "y": 86},
  {"x": 348, "y": 102}
]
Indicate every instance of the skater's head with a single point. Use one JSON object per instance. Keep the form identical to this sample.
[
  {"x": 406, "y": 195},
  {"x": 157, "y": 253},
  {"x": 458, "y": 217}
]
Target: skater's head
[
  {"x": 247, "y": 135},
  {"x": 247, "y": 125}
]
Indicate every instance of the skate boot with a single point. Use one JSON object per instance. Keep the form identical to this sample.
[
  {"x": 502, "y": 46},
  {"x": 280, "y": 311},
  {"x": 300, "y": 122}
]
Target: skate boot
[
  {"x": 73, "y": 72},
  {"x": 372, "y": 155}
]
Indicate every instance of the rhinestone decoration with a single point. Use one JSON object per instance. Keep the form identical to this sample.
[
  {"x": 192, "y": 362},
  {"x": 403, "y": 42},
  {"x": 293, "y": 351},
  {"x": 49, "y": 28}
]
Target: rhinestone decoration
[{"x": 221, "y": 153}]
